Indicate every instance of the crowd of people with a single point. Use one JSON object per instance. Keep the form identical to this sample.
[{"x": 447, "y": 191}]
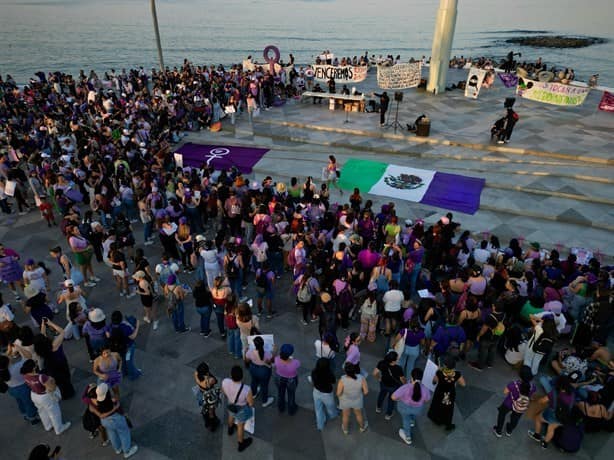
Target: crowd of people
[{"x": 96, "y": 160}]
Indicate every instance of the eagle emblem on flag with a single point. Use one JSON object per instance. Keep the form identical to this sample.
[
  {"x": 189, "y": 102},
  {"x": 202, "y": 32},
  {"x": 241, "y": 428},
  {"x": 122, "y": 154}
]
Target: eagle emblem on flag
[{"x": 404, "y": 181}]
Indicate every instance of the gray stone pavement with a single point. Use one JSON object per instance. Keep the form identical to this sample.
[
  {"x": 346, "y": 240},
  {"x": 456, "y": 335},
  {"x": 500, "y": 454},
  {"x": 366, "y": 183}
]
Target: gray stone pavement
[{"x": 166, "y": 421}]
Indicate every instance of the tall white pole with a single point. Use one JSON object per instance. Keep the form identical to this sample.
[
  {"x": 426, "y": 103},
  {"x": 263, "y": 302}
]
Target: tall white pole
[
  {"x": 154, "y": 15},
  {"x": 442, "y": 46}
]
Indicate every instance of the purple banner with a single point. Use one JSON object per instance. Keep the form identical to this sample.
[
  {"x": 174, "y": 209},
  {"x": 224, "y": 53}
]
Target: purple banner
[
  {"x": 221, "y": 156},
  {"x": 454, "y": 192},
  {"x": 509, "y": 79}
]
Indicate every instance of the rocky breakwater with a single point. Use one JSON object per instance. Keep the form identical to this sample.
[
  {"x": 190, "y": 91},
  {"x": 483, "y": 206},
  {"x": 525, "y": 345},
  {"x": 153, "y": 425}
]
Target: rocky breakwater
[{"x": 556, "y": 41}]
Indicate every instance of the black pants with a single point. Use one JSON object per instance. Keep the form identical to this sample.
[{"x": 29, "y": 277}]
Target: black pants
[
  {"x": 514, "y": 418},
  {"x": 382, "y": 116}
]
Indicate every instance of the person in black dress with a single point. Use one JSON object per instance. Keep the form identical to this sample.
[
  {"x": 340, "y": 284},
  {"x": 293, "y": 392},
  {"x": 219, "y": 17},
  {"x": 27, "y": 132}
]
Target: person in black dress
[{"x": 442, "y": 405}]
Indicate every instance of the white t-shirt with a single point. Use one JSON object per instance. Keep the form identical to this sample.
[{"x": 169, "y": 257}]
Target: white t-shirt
[
  {"x": 231, "y": 389},
  {"x": 393, "y": 300},
  {"x": 323, "y": 350},
  {"x": 6, "y": 313}
]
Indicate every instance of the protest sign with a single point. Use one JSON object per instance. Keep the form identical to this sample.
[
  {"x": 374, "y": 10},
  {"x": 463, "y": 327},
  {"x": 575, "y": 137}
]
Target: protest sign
[
  {"x": 269, "y": 341},
  {"x": 341, "y": 74},
  {"x": 551, "y": 93},
  {"x": 400, "y": 76},
  {"x": 478, "y": 79},
  {"x": 607, "y": 102}
]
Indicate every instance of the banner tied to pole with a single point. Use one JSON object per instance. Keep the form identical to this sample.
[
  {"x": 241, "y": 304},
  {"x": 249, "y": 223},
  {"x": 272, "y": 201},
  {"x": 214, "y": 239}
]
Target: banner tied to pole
[
  {"x": 478, "y": 79},
  {"x": 551, "y": 93},
  {"x": 607, "y": 102},
  {"x": 341, "y": 74},
  {"x": 399, "y": 76}
]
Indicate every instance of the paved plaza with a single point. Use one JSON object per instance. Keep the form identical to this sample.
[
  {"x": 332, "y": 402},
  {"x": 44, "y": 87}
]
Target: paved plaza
[{"x": 553, "y": 184}]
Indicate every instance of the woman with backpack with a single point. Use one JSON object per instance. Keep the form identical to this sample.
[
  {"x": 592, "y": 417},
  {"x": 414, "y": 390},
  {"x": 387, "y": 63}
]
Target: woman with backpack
[
  {"x": 488, "y": 338},
  {"x": 307, "y": 288},
  {"x": 209, "y": 395},
  {"x": 560, "y": 403},
  {"x": 541, "y": 341},
  {"x": 175, "y": 295},
  {"x": 517, "y": 398},
  {"x": 233, "y": 268}
]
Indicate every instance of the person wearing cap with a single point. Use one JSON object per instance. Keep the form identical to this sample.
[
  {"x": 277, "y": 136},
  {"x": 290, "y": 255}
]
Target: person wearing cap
[
  {"x": 286, "y": 378},
  {"x": 94, "y": 331},
  {"x": 107, "y": 408},
  {"x": 70, "y": 294}
]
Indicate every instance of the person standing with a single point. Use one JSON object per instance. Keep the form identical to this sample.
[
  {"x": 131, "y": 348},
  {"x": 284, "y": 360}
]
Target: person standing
[
  {"x": 517, "y": 398},
  {"x": 259, "y": 362},
  {"x": 323, "y": 379},
  {"x": 175, "y": 296},
  {"x": 384, "y": 102},
  {"x": 351, "y": 389},
  {"x": 286, "y": 378},
  {"x": 390, "y": 377},
  {"x": 204, "y": 306},
  {"x": 108, "y": 409},
  {"x": 240, "y": 404},
  {"x": 209, "y": 395},
  {"x": 14, "y": 384},
  {"x": 120, "y": 336},
  {"x": 511, "y": 118},
  {"x": 144, "y": 288},
  {"x": 442, "y": 406},
  {"x": 45, "y": 396},
  {"x": 411, "y": 399}
]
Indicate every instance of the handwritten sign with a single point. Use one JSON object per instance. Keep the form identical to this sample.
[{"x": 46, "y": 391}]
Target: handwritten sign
[
  {"x": 478, "y": 79},
  {"x": 341, "y": 74},
  {"x": 399, "y": 76},
  {"x": 551, "y": 93},
  {"x": 607, "y": 102}
]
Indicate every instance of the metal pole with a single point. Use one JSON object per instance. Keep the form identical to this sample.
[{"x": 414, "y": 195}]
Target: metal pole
[{"x": 157, "y": 32}]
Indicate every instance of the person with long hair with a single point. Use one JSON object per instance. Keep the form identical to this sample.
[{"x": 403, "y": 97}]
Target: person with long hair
[
  {"x": 247, "y": 323},
  {"x": 368, "y": 317},
  {"x": 351, "y": 389},
  {"x": 240, "y": 404},
  {"x": 82, "y": 251},
  {"x": 108, "y": 368},
  {"x": 259, "y": 362},
  {"x": 414, "y": 338},
  {"x": 286, "y": 378},
  {"x": 233, "y": 333},
  {"x": 185, "y": 244},
  {"x": 352, "y": 352},
  {"x": 411, "y": 399},
  {"x": 13, "y": 383},
  {"x": 204, "y": 306},
  {"x": 323, "y": 381},
  {"x": 209, "y": 395},
  {"x": 517, "y": 398},
  {"x": 53, "y": 358},
  {"x": 541, "y": 341},
  {"x": 10, "y": 270},
  {"x": 45, "y": 396},
  {"x": 441, "y": 411},
  {"x": 145, "y": 289},
  {"x": 390, "y": 377},
  {"x": 560, "y": 402},
  {"x": 332, "y": 173}
]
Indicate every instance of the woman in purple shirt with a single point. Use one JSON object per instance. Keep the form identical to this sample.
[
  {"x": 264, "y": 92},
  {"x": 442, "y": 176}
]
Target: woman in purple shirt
[
  {"x": 413, "y": 334},
  {"x": 286, "y": 378},
  {"x": 411, "y": 399},
  {"x": 517, "y": 397},
  {"x": 352, "y": 352},
  {"x": 562, "y": 396}
]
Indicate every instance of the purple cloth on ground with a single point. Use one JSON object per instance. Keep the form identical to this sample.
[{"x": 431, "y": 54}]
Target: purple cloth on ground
[
  {"x": 221, "y": 156},
  {"x": 454, "y": 192},
  {"x": 509, "y": 79}
]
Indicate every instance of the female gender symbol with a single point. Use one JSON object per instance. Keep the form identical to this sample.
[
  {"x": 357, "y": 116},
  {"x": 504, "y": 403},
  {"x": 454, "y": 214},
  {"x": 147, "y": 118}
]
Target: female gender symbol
[
  {"x": 272, "y": 60},
  {"x": 218, "y": 152}
]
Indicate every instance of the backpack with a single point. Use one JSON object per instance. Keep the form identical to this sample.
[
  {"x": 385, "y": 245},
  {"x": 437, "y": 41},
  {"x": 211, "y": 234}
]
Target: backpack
[
  {"x": 171, "y": 301},
  {"x": 232, "y": 271},
  {"x": 562, "y": 411},
  {"x": 345, "y": 300},
  {"x": 499, "y": 329},
  {"x": 521, "y": 404},
  {"x": 543, "y": 345},
  {"x": 304, "y": 293},
  {"x": 117, "y": 340}
]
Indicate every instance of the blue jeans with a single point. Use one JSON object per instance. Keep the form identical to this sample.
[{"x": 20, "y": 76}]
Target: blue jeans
[
  {"x": 21, "y": 393},
  {"x": 130, "y": 209},
  {"x": 147, "y": 230},
  {"x": 385, "y": 393},
  {"x": 261, "y": 375},
  {"x": 128, "y": 367},
  {"x": 233, "y": 339},
  {"x": 219, "y": 316},
  {"x": 408, "y": 415},
  {"x": 205, "y": 316},
  {"x": 411, "y": 355},
  {"x": 277, "y": 263},
  {"x": 286, "y": 385},
  {"x": 236, "y": 284},
  {"x": 118, "y": 431},
  {"x": 414, "y": 278},
  {"x": 325, "y": 408},
  {"x": 178, "y": 317}
]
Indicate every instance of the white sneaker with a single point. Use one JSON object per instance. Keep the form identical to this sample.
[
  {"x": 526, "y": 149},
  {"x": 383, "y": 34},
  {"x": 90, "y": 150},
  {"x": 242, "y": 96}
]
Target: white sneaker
[
  {"x": 270, "y": 400},
  {"x": 121, "y": 293},
  {"x": 89, "y": 284},
  {"x": 132, "y": 451},
  {"x": 155, "y": 325},
  {"x": 95, "y": 279},
  {"x": 146, "y": 320},
  {"x": 148, "y": 243},
  {"x": 404, "y": 437},
  {"x": 63, "y": 428},
  {"x": 130, "y": 295}
]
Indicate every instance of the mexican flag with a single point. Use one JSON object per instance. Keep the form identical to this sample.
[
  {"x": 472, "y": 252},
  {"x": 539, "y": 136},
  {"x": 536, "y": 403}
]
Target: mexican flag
[{"x": 448, "y": 191}]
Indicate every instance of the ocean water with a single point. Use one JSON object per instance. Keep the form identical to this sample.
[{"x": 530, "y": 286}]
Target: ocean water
[{"x": 69, "y": 35}]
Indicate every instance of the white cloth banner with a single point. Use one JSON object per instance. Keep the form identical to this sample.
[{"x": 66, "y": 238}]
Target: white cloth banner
[
  {"x": 341, "y": 74},
  {"x": 430, "y": 370},
  {"x": 400, "y": 76},
  {"x": 402, "y": 182}
]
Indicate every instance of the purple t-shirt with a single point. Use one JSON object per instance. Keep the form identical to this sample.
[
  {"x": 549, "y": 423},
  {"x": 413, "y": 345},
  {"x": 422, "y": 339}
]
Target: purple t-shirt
[
  {"x": 405, "y": 392},
  {"x": 287, "y": 369},
  {"x": 95, "y": 334},
  {"x": 514, "y": 392},
  {"x": 352, "y": 355},
  {"x": 413, "y": 338}
]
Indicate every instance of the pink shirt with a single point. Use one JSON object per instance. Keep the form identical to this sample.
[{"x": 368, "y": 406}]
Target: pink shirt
[
  {"x": 352, "y": 355},
  {"x": 231, "y": 388},
  {"x": 254, "y": 357},
  {"x": 405, "y": 392},
  {"x": 287, "y": 369}
]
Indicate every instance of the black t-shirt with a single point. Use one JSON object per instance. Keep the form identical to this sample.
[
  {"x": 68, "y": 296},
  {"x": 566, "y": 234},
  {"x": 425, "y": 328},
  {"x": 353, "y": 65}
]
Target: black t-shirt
[
  {"x": 391, "y": 375},
  {"x": 323, "y": 383},
  {"x": 117, "y": 259}
]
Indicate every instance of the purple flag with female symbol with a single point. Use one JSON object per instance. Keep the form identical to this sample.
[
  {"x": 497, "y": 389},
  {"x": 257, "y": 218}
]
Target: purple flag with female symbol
[
  {"x": 509, "y": 79},
  {"x": 221, "y": 156}
]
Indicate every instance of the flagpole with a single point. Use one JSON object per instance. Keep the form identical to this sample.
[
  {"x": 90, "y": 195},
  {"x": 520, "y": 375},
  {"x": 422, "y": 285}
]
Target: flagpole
[{"x": 154, "y": 16}]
